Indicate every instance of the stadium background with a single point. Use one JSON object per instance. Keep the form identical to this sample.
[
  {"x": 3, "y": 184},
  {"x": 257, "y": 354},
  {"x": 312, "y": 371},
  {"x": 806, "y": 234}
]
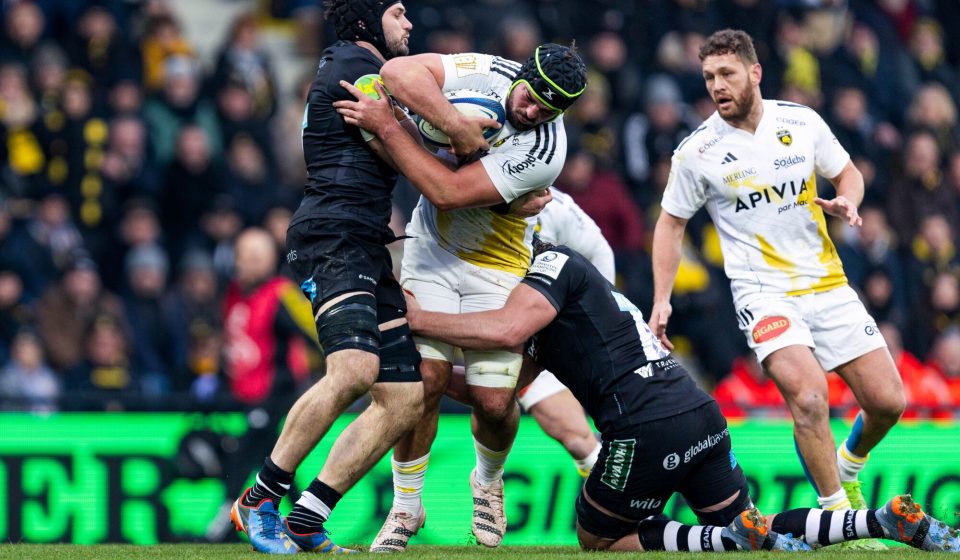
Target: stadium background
[{"x": 137, "y": 139}]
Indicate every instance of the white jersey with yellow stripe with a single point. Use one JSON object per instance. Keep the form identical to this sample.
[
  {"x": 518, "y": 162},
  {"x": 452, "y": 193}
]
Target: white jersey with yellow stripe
[
  {"x": 518, "y": 163},
  {"x": 759, "y": 189}
]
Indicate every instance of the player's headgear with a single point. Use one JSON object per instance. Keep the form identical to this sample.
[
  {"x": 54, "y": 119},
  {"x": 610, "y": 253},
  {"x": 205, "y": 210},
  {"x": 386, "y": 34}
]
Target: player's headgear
[
  {"x": 555, "y": 74},
  {"x": 361, "y": 20}
]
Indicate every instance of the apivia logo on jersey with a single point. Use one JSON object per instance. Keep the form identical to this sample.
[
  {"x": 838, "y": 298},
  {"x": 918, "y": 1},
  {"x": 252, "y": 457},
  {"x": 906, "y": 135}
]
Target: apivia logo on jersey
[{"x": 774, "y": 194}]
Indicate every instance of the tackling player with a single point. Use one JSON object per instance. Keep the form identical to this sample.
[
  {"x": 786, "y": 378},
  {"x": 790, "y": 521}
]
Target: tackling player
[
  {"x": 597, "y": 343},
  {"x": 469, "y": 259},
  {"x": 754, "y": 165}
]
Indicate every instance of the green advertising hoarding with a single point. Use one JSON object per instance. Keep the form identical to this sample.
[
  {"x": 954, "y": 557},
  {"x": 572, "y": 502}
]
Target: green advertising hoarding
[{"x": 89, "y": 478}]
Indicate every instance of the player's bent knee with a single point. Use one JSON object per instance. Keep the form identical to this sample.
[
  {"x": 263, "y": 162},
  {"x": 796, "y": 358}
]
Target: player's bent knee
[
  {"x": 810, "y": 406},
  {"x": 493, "y": 403},
  {"x": 595, "y": 529},
  {"x": 349, "y": 324}
]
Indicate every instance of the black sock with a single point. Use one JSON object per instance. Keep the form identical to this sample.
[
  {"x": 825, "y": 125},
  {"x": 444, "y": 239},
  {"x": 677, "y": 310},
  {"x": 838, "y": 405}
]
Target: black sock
[
  {"x": 313, "y": 508},
  {"x": 660, "y": 534},
  {"x": 272, "y": 484},
  {"x": 828, "y": 527}
]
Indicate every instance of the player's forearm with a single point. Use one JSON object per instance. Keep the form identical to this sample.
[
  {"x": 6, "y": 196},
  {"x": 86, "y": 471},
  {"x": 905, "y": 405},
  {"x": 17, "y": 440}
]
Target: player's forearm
[
  {"x": 414, "y": 85},
  {"x": 471, "y": 331},
  {"x": 849, "y": 184},
  {"x": 667, "y": 241},
  {"x": 428, "y": 175}
]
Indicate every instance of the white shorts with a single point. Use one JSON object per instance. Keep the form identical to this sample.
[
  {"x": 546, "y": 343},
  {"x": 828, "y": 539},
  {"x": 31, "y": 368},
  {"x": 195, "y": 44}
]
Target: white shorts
[
  {"x": 543, "y": 386},
  {"x": 834, "y": 324},
  {"x": 444, "y": 283}
]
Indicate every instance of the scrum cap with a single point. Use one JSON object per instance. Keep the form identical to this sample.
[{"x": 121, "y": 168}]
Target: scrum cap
[
  {"x": 360, "y": 20},
  {"x": 555, "y": 74}
]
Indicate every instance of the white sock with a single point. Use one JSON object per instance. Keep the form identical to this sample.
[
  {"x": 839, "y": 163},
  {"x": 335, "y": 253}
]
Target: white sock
[
  {"x": 834, "y": 502},
  {"x": 408, "y": 484},
  {"x": 489, "y": 463},
  {"x": 850, "y": 464},
  {"x": 586, "y": 464}
]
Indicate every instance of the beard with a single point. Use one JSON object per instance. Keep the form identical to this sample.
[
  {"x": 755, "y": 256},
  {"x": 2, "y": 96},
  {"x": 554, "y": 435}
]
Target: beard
[
  {"x": 516, "y": 121},
  {"x": 740, "y": 106},
  {"x": 396, "y": 47}
]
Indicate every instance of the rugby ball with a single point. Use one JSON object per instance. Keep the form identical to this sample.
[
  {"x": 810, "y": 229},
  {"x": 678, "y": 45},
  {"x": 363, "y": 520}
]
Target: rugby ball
[{"x": 467, "y": 102}]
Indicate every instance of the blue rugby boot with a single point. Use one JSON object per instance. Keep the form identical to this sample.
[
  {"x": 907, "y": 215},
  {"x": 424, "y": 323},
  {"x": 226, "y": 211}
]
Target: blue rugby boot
[
  {"x": 903, "y": 520},
  {"x": 262, "y": 524},
  {"x": 315, "y": 542}
]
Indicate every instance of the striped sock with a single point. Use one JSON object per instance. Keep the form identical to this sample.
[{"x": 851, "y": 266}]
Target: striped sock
[
  {"x": 823, "y": 527},
  {"x": 408, "y": 484},
  {"x": 835, "y": 502},
  {"x": 660, "y": 534},
  {"x": 489, "y": 463},
  {"x": 272, "y": 484},
  {"x": 313, "y": 508}
]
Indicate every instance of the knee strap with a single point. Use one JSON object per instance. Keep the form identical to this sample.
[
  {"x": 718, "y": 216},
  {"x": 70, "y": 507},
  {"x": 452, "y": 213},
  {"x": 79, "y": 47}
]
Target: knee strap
[
  {"x": 350, "y": 324},
  {"x": 399, "y": 359}
]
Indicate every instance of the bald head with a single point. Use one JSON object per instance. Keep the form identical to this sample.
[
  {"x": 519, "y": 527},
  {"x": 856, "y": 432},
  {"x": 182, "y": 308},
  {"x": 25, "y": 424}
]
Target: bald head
[{"x": 255, "y": 258}]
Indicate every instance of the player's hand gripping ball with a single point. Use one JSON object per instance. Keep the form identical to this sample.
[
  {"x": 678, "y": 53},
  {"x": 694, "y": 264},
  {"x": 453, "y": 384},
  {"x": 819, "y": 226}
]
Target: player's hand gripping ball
[{"x": 471, "y": 103}]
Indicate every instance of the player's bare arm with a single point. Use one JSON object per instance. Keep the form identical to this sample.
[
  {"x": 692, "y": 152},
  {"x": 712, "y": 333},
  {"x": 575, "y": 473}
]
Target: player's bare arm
[
  {"x": 526, "y": 312},
  {"x": 667, "y": 241},
  {"x": 416, "y": 82},
  {"x": 407, "y": 124},
  {"x": 468, "y": 186},
  {"x": 849, "y": 187}
]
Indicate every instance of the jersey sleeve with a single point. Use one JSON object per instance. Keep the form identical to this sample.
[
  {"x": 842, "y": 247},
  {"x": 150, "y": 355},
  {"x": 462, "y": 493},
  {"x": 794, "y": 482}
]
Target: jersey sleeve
[
  {"x": 829, "y": 156},
  {"x": 684, "y": 193},
  {"x": 467, "y": 71},
  {"x": 531, "y": 163},
  {"x": 554, "y": 274}
]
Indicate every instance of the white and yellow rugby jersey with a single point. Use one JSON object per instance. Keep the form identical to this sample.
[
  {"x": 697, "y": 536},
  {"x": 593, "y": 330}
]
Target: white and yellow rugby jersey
[
  {"x": 759, "y": 190},
  {"x": 518, "y": 163}
]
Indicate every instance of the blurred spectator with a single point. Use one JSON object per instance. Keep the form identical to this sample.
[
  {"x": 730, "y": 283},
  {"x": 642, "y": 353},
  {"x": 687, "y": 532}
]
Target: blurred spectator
[
  {"x": 792, "y": 66},
  {"x": 139, "y": 227},
  {"x": 99, "y": 47},
  {"x": 926, "y": 51},
  {"x": 249, "y": 179},
  {"x": 157, "y": 324},
  {"x": 921, "y": 189},
  {"x": 874, "y": 248},
  {"x": 53, "y": 238},
  {"x": 204, "y": 368},
  {"x": 933, "y": 251},
  {"x": 608, "y": 57},
  {"x": 67, "y": 310},
  {"x": 939, "y": 313},
  {"x": 878, "y": 70},
  {"x": 23, "y": 31},
  {"x": 288, "y": 148},
  {"x": 161, "y": 42},
  {"x": 237, "y": 118},
  {"x": 652, "y": 134},
  {"x": 244, "y": 62},
  {"x": 677, "y": 55},
  {"x": 103, "y": 378},
  {"x": 589, "y": 125},
  {"x": 192, "y": 182},
  {"x": 125, "y": 97},
  {"x": 852, "y": 124},
  {"x": 177, "y": 106},
  {"x": 127, "y": 167},
  {"x": 196, "y": 292},
  {"x": 20, "y": 135},
  {"x": 49, "y": 75},
  {"x": 26, "y": 382},
  {"x": 15, "y": 314},
  {"x": 219, "y": 227},
  {"x": 518, "y": 37},
  {"x": 933, "y": 109}
]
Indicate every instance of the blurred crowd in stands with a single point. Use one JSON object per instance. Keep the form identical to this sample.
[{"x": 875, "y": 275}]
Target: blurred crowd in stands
[{"x": 130, "y": 166}]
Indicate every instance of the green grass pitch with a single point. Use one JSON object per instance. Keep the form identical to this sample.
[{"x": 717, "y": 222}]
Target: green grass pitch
[{"x": 243, "y": 552}]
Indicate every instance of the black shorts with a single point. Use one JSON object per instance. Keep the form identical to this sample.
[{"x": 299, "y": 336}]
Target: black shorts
[
  {"x": 640, "y": 469},
  {"x": 330, "y": 258}
]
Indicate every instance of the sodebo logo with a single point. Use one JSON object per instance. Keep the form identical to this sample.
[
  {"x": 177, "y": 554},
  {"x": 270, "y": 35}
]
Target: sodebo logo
[{"x": 769, "y": 328}]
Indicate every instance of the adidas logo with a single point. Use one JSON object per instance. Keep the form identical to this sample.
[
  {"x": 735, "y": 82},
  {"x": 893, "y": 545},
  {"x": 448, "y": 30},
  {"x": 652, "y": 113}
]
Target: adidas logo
[{"x": 728, "y": 158}]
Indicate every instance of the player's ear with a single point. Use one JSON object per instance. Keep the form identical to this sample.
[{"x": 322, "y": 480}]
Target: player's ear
[{"x": 756, "y": 73}]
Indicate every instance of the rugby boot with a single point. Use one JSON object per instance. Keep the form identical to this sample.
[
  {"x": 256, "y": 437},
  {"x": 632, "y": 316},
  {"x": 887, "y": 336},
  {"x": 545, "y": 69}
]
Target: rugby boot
[
  {"x": 397, "y": 530},
  {"x": 902, "y": 519},
  {"x": 489, "y": 519},
  {"x": 749, "y": 530},
  {"x": 262, "y": 524},
  {"x": 315, "y": 542}
]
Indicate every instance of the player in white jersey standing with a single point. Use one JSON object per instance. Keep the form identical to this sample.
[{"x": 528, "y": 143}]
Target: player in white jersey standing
[
  {"x": 753, "y": 164},
  {"x": 548, "y": 400},
  {"x": 461, "y": 259}
]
